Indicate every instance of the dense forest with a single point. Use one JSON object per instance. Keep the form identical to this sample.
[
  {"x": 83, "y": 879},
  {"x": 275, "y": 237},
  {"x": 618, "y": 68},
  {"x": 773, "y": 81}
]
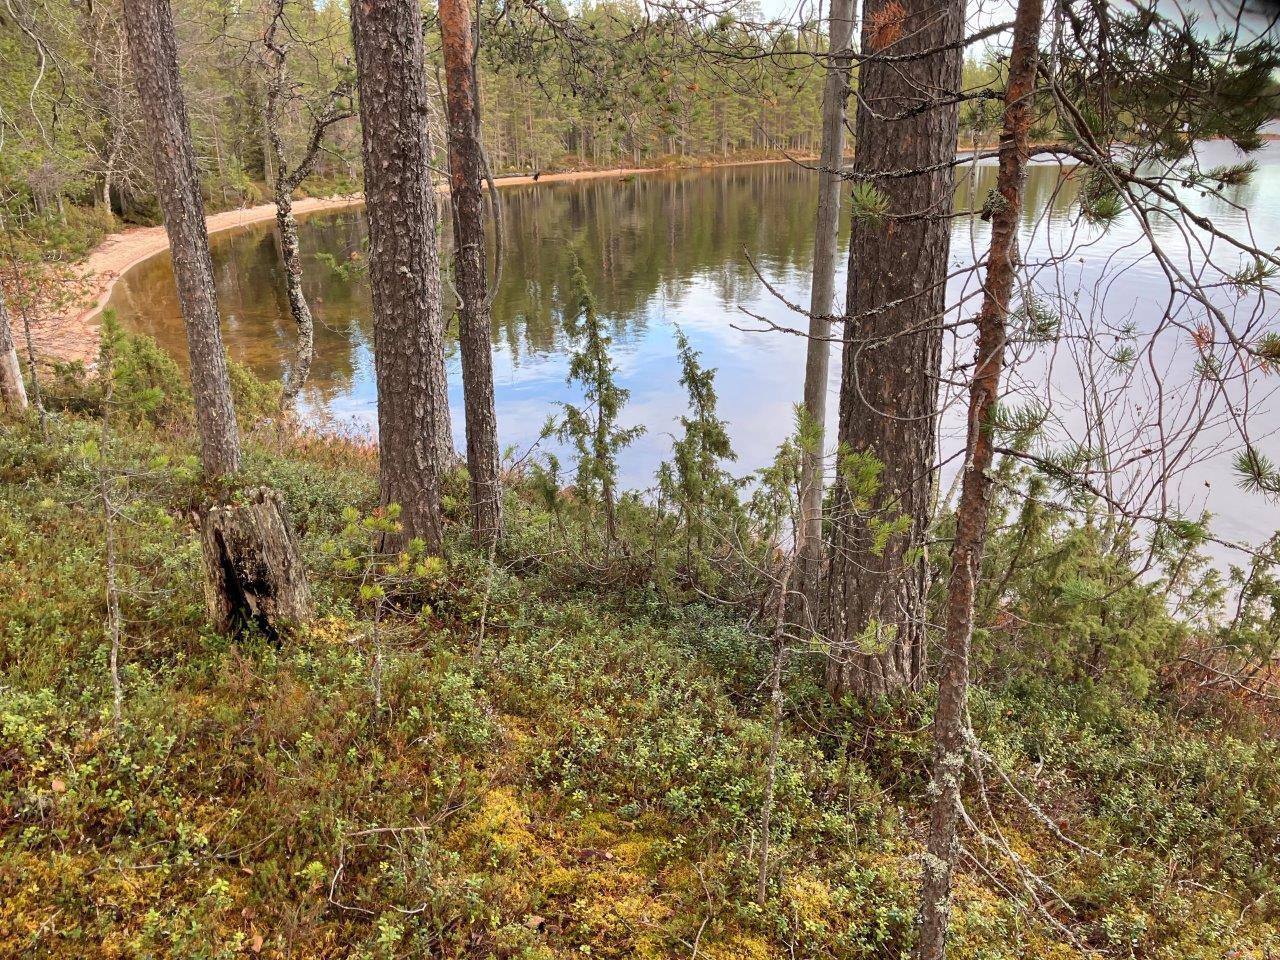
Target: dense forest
[
  {"x": 551, "y": 99},
  {"x": 966, "y": 669}
]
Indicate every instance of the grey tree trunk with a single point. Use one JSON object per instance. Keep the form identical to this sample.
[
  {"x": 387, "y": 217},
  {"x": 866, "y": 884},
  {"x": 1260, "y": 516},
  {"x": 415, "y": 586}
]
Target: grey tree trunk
[
  {"x": 951, "y": 747},
  {"x": 299, "y": 309},
  {"x": 286, "y": 224},
  {"x": 905, "y": 138},
  {"x": 13, "y": 392},
  {"x": 285, "y": 181},
  {"x": 153, "y": 48},
  {"x": 822, "y": 300},
  {"x": 414, "y": 440},
  {"x": 252, "y": 571},
  {"x": 466, "y": 189},
  {"x": 254, "y": 577}
]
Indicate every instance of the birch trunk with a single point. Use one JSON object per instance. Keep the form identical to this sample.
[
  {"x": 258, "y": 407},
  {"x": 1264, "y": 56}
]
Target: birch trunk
[
  {"x": 13, "y": 392},
  {"x": 285, "y": 181},
  {"x": 299, "y": 309},
  {"x": 950, "y": 724}
]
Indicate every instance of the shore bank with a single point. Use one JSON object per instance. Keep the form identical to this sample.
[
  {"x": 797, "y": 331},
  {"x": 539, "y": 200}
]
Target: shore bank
[{"x": 70, "y": 333}]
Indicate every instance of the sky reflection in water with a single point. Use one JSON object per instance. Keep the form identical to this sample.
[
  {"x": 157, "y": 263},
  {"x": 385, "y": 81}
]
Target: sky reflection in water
[{"x": 671, "y": 249}]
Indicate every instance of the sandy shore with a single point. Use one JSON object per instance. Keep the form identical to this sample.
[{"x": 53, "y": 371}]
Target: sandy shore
[{"x": 70, "y": 332}]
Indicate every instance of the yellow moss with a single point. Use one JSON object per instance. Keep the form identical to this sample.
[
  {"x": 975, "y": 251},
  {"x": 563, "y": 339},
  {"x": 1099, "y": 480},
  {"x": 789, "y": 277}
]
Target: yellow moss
[
  {"x": 637, "y": 850},
  {"x": 330, "y": 630},
  {"x": 560, "y": 881},
  {"x": 598, "y": 829},
  {"x": 739, "y": 946},
  {"x": 500, "y": 822},
  {"x": 1040, "y": 947},
  {"x": 810, "y": 898}
]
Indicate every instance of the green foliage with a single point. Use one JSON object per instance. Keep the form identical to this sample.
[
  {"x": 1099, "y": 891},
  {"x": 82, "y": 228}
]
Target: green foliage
[
  {"x": 590, "y": 775},
  {"x": 1256, "y": 471},
  {"x": 1101, "y": 201},
  {"x": 1060, "y": 598},
  {"x": 694, "y": 481},
  {"x": 1231, "y": 175},
  {"x": 593, "y": 427},
  {"x": 867, "y": 201}
]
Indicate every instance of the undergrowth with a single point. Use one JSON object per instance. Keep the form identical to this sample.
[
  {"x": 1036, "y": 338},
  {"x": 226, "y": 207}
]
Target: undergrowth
[{"x": 553, "y": 766}]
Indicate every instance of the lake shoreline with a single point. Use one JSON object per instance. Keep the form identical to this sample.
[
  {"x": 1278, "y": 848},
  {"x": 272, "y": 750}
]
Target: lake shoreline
[{"x": 71, "y": 333}]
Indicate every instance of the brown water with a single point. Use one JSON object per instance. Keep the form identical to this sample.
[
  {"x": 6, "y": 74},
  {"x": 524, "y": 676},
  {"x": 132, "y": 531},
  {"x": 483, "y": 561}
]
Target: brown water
[{"x": 670, "y": 249}]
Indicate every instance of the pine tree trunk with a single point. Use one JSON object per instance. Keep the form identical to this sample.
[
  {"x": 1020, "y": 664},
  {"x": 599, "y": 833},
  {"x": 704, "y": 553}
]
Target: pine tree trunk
[
  {"x": 154, "y": 51},
  {"x": 466, "y": 188},
  {"x": 254, "y": 577},
  {"x": 950, "y": 724},
  {"x": 414, "y": 440},
  {"x": 822, "y": 299},
  {"x": 252, "y": 570},
  {"x": 13, "y": 392},
  {"x": 893, "y": 342}
]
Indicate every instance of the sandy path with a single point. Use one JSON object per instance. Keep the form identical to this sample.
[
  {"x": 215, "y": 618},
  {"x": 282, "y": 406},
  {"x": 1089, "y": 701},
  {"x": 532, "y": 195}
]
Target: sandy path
[{"x": 71, "y": 332}]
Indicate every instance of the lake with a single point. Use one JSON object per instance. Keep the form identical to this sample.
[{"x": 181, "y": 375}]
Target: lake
[{"x": 671, "y": 249}]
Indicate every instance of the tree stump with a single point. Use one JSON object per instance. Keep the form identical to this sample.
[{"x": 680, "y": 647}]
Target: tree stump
[{"x": 253, "y": 572}]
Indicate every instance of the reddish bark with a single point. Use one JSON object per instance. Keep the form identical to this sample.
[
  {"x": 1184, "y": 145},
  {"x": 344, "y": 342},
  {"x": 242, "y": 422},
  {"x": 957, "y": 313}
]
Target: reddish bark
[
  {"x": 466, "y": 190},
  {"x": 950, "y": 726},
  {"x": 904, "y": 139}
]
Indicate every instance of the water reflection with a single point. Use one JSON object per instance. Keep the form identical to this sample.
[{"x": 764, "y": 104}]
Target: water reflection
[{"x": 667, "y": 249}]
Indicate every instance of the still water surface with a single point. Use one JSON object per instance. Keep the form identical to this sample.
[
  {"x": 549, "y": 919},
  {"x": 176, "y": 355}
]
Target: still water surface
[{"x": 671, "y": 249}]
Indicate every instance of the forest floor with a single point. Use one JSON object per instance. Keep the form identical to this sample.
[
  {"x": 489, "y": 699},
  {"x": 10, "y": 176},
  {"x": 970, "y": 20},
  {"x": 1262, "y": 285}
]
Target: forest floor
[
  {"x": 66, "y": 327},
  {"x": 560, "y": 754}
]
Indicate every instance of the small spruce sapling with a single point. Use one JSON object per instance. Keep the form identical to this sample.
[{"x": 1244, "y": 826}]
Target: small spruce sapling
[
  {"x": 703, "y": 492},
  {"x": 593, "y": 427}
]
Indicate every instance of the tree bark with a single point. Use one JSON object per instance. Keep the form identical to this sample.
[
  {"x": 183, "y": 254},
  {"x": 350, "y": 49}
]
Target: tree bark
[
  {"x": 252, "y": 570},
  {"x": 254, "y": 577},
  {"x": 13, "y": 392},
  {"x": 950, "y": 725},
  {"x": 466, "y": 189},
  {"x": 822, "y": 300},
  {"x": 285, "y": 181},
  {"x": 299, "y": 309},
  {"x": 286, "y": 224},
  {"x": 154, "y": 52},
  {"x": 905, "y": 136},
  {"x": 414, "y": 440}
]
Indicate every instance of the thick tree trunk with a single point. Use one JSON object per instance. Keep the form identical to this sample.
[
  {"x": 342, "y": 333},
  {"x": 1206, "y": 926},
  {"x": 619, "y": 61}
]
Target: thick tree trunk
[
  {"x": 404, "y": 267},
  {"x": 905, "y": 136},
  {"x": 254, "y": 577},
  {"x": 822, "y": 300},
  {"x": 13, "y": 392},
  {"x": 155, "y": 68},
  {"x": 466, "y": 188},
  {"x": 950, "y": 725}
]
